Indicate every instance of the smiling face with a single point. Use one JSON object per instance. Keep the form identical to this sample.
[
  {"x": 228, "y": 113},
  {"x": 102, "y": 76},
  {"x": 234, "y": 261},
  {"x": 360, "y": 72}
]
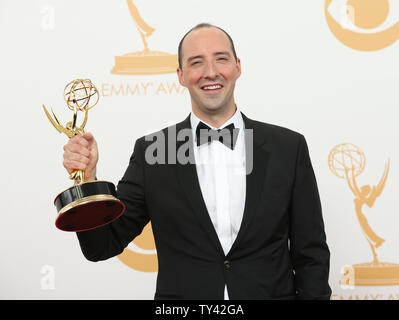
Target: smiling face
[{"x": 209, "y": 71}]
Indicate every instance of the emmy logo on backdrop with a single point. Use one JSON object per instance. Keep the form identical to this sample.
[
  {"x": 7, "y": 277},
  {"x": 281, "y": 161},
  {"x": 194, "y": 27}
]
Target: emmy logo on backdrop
[
  {"x": 347, "y": 162},
  {"x": 146, "y": 61},
  {"x": 86, "y": 205}
]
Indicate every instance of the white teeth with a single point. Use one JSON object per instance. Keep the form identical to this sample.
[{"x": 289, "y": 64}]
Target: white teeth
[{"x": 212, "y": 87}]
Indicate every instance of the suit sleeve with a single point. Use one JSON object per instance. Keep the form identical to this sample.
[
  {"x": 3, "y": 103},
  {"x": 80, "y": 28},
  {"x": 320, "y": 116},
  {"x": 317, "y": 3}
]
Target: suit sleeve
[
  {"x": 111, "y": 239},
  {"x": 308, "y": 247}
]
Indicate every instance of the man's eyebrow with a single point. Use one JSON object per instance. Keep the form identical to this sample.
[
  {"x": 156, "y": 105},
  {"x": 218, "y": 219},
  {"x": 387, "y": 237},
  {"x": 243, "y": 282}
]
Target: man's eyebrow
[
  {"x": 194, "y": 57},
  {"x": 219, "y": 53},
  {"x": 224, "y": 53}
]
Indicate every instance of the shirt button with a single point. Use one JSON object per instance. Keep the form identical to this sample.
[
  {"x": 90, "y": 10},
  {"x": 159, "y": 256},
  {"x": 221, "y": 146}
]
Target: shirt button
[{"x": 227, "y": 264}]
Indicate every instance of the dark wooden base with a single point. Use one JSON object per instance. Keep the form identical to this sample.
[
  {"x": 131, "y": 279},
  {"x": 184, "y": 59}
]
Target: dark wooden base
[{"x": 87, "y": 206}]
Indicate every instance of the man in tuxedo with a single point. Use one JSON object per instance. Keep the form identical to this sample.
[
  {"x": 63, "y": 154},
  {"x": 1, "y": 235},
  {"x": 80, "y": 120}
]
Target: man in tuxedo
[{"x": 238, "y": 214}]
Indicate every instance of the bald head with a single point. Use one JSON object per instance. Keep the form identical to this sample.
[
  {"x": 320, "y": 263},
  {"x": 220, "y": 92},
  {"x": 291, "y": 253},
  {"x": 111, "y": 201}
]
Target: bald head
[{"x": 197, "y": 27}]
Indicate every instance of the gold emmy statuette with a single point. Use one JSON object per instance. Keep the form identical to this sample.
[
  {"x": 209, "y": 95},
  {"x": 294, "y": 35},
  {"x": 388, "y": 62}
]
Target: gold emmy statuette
[
  {"x": 86, "y": 205},
  {"x": 347, "y": 161},
  {"x": 146, "y": 61}
]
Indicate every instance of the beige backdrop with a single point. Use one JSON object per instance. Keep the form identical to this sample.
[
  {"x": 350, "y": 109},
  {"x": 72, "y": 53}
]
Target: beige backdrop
[{"x": 327, "y": 69}]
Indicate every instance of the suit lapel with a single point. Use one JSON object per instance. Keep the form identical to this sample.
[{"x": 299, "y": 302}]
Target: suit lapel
[
  {"x": 256, "y": 177},
  {"x": 187, "y": 175}
]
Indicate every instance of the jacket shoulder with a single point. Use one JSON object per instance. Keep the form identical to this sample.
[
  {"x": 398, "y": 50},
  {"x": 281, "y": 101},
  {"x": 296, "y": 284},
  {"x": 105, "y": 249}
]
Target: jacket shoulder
[{"x": 273, "y": 132}]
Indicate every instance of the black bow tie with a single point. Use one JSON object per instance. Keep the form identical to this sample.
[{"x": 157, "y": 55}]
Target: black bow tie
[{"x": 227, "y": 135}]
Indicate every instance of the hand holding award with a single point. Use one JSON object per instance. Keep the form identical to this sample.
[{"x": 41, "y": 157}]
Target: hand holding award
[{"x": 88, "y": 204}]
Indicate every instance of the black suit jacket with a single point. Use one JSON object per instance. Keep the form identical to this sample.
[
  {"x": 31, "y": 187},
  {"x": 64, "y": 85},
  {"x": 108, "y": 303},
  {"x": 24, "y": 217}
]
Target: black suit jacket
[{"x": 280, "y": 251}]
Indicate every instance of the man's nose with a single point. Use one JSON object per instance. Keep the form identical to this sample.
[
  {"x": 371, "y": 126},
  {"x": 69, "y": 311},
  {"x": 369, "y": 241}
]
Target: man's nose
[{"x": 210, "y": 71}]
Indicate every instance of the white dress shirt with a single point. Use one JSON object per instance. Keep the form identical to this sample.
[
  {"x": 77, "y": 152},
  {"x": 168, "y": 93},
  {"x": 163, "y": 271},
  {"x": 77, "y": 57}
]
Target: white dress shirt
[{"x": 222, "y": 178}]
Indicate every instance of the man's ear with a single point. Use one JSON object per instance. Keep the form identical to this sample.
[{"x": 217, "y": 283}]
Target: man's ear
[
  {"x": 238, "y": 67},
  {"x": 180, "y": 76}
]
